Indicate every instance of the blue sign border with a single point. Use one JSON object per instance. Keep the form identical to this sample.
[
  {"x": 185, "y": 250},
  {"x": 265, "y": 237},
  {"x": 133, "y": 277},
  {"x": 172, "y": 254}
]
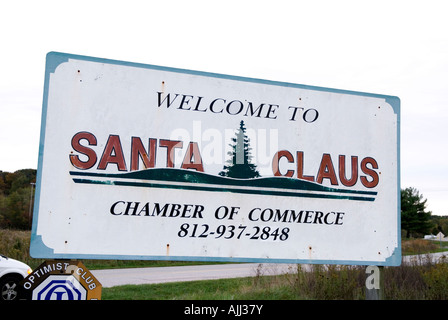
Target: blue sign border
[{"x": 38, "y": 248}]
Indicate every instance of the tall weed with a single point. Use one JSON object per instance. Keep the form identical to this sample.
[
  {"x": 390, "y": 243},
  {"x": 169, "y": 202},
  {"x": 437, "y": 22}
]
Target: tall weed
[
  {"x": 324, "y": 282},
  {"x": 15, "y": 244},
  {"x": 436, "y": 280}
]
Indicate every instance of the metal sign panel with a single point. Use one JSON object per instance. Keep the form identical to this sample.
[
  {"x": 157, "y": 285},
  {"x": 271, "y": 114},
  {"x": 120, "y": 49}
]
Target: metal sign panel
[{"x": 146, "y": 162}]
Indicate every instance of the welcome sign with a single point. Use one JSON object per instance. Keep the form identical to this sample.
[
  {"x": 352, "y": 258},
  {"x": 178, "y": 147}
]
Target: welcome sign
[{"x": 146, "y": 162}]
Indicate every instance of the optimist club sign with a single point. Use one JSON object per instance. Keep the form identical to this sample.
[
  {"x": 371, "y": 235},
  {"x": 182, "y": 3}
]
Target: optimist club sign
[{"x": 146, "y": 162}]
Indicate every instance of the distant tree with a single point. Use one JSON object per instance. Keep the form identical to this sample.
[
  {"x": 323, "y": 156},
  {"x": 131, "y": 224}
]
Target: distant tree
[
  {"x": 16, "y": 215},
  {"x": 239, "y": 165},
  {"x": 414, "y": 217},
  {"x": 16, "y": 198},
  {"x": 12, "y": 181},
  {"x": 439, "y": 224}
]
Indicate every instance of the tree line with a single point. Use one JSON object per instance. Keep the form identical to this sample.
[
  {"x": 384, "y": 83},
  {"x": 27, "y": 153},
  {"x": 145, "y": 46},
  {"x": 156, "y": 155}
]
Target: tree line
[{"x": 17, "y": 199}]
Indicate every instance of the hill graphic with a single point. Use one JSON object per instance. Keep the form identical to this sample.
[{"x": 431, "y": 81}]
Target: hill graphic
[{"x": 192, "y": 180}]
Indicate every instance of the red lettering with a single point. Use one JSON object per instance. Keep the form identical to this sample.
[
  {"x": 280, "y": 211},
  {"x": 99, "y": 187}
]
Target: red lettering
[
  {"x": 300, "y": 168},
  {"x": 113, "y": 153},
  {"x": 276, "y": 160},
  {"x": 342, "y": 172},
  {"x": 91, "y": 155},
  {"x": 193, "y": 153},
  {"x": 138, "y": 151},
  {"x": 170, "y": 145},
  {"x": 326, "y": 170},
  {"x": 370, "y": 172}
]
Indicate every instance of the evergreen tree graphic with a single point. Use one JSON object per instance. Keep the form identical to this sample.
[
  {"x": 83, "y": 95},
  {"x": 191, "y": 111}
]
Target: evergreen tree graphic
[{"x": 239, "y": 166}]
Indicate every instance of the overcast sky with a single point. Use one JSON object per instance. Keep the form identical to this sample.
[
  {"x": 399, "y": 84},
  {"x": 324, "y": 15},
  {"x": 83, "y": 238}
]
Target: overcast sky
[{"x": 388, "y": 47}]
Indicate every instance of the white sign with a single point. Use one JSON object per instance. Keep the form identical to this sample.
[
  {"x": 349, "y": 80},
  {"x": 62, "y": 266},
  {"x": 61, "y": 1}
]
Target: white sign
[{"x": 145, "y": 162}]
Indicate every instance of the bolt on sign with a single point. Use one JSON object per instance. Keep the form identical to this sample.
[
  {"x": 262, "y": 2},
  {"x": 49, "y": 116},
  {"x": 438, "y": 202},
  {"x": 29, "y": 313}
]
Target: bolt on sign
[
  {"x": 61, "y": 280},
  {"x": 146, "y": 162}
]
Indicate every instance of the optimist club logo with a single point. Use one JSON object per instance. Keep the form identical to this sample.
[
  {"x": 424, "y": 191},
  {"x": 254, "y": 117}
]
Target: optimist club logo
[
  {"x": 61, "y": 280},
  {"x": 60, "y": 288}
]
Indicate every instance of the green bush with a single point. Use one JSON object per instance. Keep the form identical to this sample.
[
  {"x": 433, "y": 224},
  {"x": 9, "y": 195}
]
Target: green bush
[
  {"x": 15, "y": 244},
  {"x": 436, "y": 279}
]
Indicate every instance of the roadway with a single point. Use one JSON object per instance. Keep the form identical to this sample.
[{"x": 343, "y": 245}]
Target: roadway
[{"x": 118, "y": 277}]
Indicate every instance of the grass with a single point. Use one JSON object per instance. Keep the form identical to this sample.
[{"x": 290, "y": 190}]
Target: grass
[
  {"x": 250, "y": 288},
  {"x": 323, "y": 282},
  {"x": 222, "y": 289},
  {"x": 421, "y": 246},
  {"x": 15, "y": 244}
]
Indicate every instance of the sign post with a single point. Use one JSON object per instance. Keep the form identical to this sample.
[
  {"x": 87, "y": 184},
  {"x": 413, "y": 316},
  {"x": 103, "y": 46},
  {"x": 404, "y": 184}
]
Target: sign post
[
  {"x": 146, "y": 162},
  {"x": 375, "y": 283}
]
